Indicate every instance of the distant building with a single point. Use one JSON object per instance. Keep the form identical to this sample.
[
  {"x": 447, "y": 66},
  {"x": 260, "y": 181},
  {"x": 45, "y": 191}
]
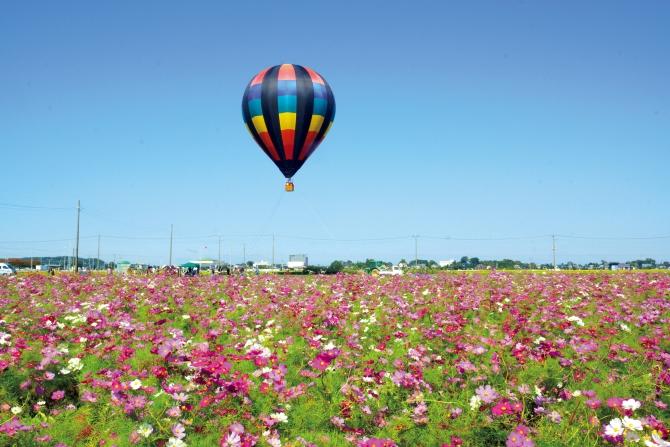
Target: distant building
[
  {"x": 446, "y": 263},
  {"x": 297, "y": 262},
  {"x": 620, "y": 266},
  {"x": 122, "y": 266}
]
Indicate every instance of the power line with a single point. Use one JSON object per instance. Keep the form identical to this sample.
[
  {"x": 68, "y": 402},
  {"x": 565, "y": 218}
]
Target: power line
[
  {"x": 333, "y": 239},
  {"x": 390, "y": 238},
  {"x": 34, "y": 207},
  {"x": 502, "y": 238},
  {"x": 615, "y": 238},
  {"x": 71, "y": 239}
]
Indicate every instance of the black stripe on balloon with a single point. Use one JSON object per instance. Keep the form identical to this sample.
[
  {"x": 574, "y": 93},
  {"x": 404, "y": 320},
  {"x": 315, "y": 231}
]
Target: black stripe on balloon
[
  {"x": 305, "y": 91},
  {"x": 330, "y": 114},
  {"x": 250, "y": 125},
  {"x": 271, "y": 113}
]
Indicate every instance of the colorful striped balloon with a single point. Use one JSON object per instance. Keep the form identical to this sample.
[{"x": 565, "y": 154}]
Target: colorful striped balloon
[{"x": 288, "y": 109}]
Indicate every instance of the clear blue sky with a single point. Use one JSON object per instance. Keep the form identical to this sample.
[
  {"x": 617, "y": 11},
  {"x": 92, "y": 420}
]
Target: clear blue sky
[{"x": 468, "y": 119}]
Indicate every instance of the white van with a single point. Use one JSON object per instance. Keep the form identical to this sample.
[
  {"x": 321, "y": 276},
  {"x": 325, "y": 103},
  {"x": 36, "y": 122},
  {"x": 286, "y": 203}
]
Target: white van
[{"x": 6, "y": 269}]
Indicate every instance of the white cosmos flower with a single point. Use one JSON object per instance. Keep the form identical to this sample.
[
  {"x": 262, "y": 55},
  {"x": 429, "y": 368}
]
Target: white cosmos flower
[
  {"x": 631, "y": 424},
  {"x": 233, "y": 440},
  {"x": 4, "y": 338},
  {"x": 145, "y": 430},
  {"x": 279, "y": 417},
  {"x": 632, "y": 436},
  {"x": 174, "y": 442},
  {"x": 656, "y": 441},
  {"x": 136, "y": 384},
  {"x": 614, "y": 428},
  {"x": 16, "y": 410},
  {"x": 475, "y": 402},
  {"x": 575, "y": 319},
  {"x": 630, "y": 404},
  {"x": 74, "y": 364}
]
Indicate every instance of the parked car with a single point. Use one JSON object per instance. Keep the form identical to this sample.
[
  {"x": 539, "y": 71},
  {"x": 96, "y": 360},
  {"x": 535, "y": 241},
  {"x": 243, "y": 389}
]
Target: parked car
[
  {"x": 393, "y": 271},
  {"x": 7, "y": 269}
]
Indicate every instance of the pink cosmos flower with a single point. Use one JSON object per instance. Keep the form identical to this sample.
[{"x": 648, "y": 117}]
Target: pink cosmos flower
[
  {"x": 614, "y": 402},
  {"x": 89, "y": 396},
  {"x": 504, "y": 407},
  {"x": 593, "y": 403},
  {"x": 174, "y": 412},
  {"x": 178, "y": 431},
  {"x": 58, "y": 395},
  {"x": 376, "y": 442},
  {"x": 487, "y": 394},
  {"x": 324, "y": 359},
  {"x": 516, "y": 439}
]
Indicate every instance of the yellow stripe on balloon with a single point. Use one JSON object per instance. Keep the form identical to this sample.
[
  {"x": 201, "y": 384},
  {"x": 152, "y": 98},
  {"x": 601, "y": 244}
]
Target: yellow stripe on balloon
[
  {"x": 315, "y": 124},
  {"x": 259, "y": 123},
  {"x": 287, "y": 121}
]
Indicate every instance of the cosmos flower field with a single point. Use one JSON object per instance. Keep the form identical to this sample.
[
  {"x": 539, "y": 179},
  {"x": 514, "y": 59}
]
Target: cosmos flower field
[{"x": 476, "y": 359}]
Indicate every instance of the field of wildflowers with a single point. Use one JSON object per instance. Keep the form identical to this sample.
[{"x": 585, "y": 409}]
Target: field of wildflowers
[{"x": 494, "y": 359}]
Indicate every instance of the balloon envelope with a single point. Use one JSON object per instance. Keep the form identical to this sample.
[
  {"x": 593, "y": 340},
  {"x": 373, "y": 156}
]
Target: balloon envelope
[{"x": 288, "y": 110}]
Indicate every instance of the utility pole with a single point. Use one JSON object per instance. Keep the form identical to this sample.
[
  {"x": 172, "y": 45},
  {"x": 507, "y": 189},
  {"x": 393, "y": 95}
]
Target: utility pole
[
  {"x": 219, "y": 250},
  {"x": 76, "y": 252},
  {"x": 553, "y": 248},
  {"x": 273, "y": 251},
  {"x": 416, "y": 250},
  {"x": 171, "y": 228},
  {"x": 97, "y": 260},
  {"x": 31, "y": 263}
]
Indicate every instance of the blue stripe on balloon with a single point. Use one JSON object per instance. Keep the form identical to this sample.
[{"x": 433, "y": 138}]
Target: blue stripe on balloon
[
  {"x": 287, "y": 103},
  {"x": 319, "y": 91},
  {"x": 286, "y": 88},
  {"x": 254, "y": 92},
  {"x": 320, "y": 106},
  {"x": 255, "y": 108}
]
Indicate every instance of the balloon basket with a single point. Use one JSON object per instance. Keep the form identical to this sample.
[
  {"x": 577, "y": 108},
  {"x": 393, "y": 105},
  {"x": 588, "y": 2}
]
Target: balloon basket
[{"x": 288, "y": 186}]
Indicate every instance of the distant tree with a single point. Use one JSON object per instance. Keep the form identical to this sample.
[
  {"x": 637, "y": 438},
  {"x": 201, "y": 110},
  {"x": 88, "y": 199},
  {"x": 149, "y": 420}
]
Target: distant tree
[
  {"x": 250, "y": 263},
  {"x": 506, "y": 264},
  {"x": 335, "y": 267}
]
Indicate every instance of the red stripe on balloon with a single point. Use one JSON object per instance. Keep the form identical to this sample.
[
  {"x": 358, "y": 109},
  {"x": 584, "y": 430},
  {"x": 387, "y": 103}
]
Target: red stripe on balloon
[
  {"x": 288, "y": 138},
  {"x": 258, "y": 79},
  {"x": 307, "y": 145},
  {"x": 315, "y": 76},
  {"x": 286, "y": 73},
  {"x": 269, "y": 145}
]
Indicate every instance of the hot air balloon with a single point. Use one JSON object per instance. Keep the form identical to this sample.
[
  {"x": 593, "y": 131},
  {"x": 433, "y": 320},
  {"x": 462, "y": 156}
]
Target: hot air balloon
[{"x": 288, "y": 109}]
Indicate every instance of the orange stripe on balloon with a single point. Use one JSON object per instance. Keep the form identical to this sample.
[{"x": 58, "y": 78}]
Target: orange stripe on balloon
[
  {"x": 286, "y": 73},
  {"x": 269, "y": 145},
  {"x": 258, "y": 79}
]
